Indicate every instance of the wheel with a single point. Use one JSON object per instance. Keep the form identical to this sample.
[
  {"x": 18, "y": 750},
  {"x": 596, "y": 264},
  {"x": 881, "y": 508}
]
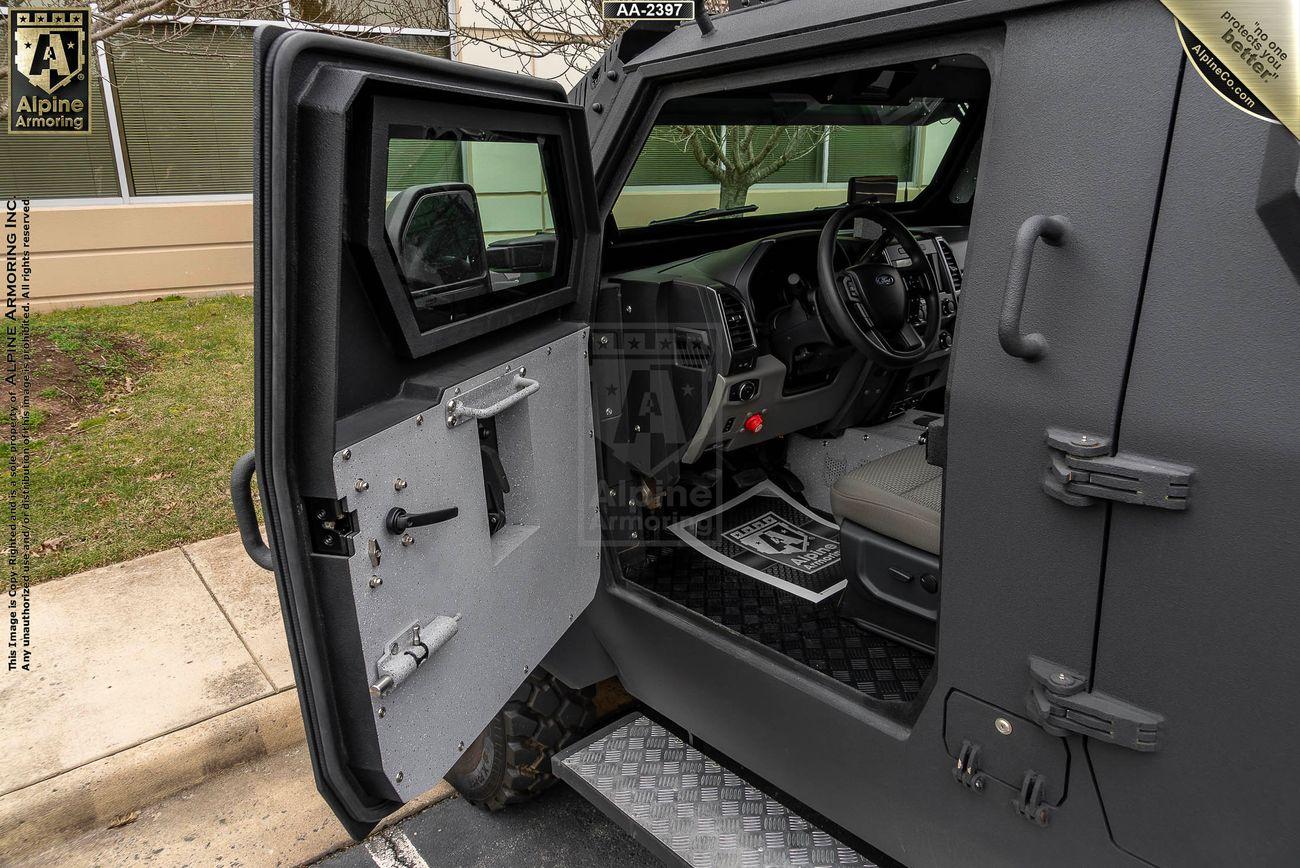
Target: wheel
[{"x": 510, "y": 761}]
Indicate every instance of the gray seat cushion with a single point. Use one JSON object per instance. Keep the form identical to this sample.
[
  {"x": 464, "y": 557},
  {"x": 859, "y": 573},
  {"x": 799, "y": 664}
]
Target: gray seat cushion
[{"x": 899, "y": 496}]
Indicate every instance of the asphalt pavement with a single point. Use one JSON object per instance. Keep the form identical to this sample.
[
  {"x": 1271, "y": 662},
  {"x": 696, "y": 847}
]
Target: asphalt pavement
[{"x": 560, "y": 828}]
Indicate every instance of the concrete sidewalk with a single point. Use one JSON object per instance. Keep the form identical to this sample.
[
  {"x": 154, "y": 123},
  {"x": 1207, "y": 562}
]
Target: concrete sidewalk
[{"x": 148, "y": 678}]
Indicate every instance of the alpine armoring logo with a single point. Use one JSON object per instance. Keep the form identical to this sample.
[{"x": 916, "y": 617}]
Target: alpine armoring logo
[{"x": 49, "y": 84}]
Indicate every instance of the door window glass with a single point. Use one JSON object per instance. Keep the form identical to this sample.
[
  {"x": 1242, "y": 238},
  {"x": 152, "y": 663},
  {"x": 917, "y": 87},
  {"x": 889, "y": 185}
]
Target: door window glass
[{"x": 458, "y": 201}]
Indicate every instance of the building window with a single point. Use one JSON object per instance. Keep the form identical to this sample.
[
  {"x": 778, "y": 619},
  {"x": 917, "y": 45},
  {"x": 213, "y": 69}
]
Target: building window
[
  {"x": 62, "y": 167},
  {"x": 184, "y": 114},
  {"x": 186, "y": 107}
]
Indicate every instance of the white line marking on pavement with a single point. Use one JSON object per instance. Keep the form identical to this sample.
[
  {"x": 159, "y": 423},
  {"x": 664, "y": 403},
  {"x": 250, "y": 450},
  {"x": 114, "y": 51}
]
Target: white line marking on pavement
[{"x": 392, "y": 849}]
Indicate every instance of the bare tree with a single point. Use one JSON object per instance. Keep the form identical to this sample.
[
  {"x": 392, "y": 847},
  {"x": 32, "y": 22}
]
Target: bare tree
[
  {"x": 163, "y": 23},
  {"x": 738, "y": 157},
  {"x": 575, "y": 32},
  {"x": 525, "y": 31}
]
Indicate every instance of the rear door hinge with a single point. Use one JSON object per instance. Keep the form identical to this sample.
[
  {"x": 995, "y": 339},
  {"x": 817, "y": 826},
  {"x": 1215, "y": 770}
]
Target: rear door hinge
[
  {"x": 1083, "y": 471},
  {"x": 1059, "y": 701}
]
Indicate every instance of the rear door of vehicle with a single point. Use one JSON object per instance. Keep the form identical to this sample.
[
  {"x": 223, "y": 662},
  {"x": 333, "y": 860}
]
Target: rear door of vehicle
[
  {"x": 1199, "y": 607},
  {"x": 1021, "y": 569},
  {"x": 425, "y": 453}
]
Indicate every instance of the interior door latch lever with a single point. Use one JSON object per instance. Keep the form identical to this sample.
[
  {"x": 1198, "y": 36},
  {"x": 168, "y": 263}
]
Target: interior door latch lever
[{"x": 399, "y": 520}]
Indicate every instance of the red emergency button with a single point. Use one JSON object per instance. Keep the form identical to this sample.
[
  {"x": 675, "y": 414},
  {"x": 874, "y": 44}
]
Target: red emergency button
[{"x": 754, "y": 423}]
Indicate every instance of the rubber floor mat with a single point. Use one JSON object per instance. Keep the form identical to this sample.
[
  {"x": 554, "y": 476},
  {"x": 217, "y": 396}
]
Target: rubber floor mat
[
  {"x": 809, "y": 633},
  {"x": 764, "y": 534}
]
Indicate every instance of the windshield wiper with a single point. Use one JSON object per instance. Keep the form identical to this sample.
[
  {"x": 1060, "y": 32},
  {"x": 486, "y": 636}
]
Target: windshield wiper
[{"x": 707, "y": 214}]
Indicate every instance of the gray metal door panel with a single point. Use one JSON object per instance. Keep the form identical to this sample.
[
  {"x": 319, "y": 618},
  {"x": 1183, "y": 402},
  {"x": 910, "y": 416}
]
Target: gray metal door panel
[
  {"x": 1198, "y": 617},
  {"x": 343, "y": 368},
  {"x": 514, "y": 592},
  {"x": 1069, "y": 133}
]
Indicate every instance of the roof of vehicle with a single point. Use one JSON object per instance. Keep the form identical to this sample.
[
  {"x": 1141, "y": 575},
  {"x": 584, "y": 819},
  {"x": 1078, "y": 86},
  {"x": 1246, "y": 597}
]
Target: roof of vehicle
[{"x": 653, "y": 42}]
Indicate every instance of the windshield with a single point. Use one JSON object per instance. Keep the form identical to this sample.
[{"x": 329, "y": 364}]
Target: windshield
[{"x": 700, "y": 170}]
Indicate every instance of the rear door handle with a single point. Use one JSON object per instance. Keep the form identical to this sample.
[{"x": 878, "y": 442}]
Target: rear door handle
[{"x": 1030, "y": 347}]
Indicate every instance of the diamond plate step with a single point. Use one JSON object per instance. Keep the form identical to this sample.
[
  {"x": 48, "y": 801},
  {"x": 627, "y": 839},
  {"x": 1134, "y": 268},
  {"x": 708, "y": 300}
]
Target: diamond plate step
[{"x": 687, "y": 808}]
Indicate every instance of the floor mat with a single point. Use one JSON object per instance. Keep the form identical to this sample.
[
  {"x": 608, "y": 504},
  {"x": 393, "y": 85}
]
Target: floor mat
[
  {"x": 809, "y": 633},
  {"x": 764, "y": 534}
]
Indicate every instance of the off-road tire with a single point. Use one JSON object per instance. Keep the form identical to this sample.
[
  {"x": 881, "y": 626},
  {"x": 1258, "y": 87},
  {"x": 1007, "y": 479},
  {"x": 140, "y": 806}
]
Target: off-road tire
[{"x": 510, "y": 762}]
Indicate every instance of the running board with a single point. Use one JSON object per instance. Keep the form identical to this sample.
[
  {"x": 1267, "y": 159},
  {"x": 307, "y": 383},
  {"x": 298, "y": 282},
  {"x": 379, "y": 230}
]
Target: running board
[{"x": 686, "y": 808}]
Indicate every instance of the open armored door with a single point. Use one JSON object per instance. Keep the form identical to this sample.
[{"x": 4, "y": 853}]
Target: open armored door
[{"x": 424, "y": 427}]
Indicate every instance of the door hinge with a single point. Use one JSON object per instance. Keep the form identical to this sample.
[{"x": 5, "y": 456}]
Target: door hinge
[
  {"x": 1059, "y": 701},
  {"x": 1083, "y": 470}
]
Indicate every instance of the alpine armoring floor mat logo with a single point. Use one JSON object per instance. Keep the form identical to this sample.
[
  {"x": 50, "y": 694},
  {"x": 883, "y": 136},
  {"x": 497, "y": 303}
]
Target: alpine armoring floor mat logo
[
  {"x": 765, "y": 534},
  {"x": 787, "y": 544}
]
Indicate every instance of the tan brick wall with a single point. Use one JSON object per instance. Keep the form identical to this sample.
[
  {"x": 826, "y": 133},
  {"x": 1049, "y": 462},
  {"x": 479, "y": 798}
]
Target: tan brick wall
[{"x": 114, "y": 254}]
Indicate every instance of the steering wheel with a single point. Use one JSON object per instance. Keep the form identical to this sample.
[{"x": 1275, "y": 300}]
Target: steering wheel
[{"x": 889, "y": 314}]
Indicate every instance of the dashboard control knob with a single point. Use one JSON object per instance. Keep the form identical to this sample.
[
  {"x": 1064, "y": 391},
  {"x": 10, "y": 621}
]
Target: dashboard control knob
[
  {"x": 945, "y": 340},
  {"x": 754, "y": 423},
  {"x": 747, "y": 390}
]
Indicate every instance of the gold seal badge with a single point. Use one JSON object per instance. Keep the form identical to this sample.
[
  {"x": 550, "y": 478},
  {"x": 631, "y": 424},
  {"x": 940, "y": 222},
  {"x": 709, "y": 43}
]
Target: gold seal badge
[
  {"x": 1245, "y": 50},
  {"x": 49, "y": 84}
]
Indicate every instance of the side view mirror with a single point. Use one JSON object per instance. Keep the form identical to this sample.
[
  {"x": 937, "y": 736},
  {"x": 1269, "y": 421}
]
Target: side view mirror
[
  {"x": 437, "y": 234},
  {"x": 531, "y": 253}
]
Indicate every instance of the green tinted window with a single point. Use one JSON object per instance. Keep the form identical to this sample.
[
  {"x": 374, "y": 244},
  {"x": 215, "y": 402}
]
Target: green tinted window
[
  {"x": 870, "y": 151},
  {"x": 797, "y": 150},
  {"x": 664, "y": 160},
  {"x": 771, "y": 169},
  {"x": 187, "y": 108},
  {"x": 412, "y": 161},
  {"x": 187, "y": 111},
  {"x": 48, "y": 166}
]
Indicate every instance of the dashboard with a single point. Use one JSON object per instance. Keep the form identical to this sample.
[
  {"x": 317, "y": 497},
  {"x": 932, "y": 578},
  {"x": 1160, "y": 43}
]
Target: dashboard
[{"x": 746, "y": 351}]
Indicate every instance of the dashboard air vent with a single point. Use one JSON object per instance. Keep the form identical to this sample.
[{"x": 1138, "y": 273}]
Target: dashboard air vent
[
  {"x": 737, "y": 320},
  {"x": 951, "y": 261},
  {"x": 692, "y": 348}
]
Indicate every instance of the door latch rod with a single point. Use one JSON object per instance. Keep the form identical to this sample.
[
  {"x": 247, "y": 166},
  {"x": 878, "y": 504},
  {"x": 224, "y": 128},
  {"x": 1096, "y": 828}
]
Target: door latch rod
[{"x": 409, "y": 652}]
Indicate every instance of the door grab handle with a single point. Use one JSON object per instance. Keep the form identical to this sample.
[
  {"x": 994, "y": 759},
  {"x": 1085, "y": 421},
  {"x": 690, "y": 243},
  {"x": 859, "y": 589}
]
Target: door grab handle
[
  {"x": 516, "y": 386},
  {"x": 241, "y": 499},
  {"x": 1052, "y": 230}
]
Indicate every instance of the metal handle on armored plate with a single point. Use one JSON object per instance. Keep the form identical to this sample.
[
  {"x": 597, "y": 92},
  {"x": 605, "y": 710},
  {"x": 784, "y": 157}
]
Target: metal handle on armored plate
[{"x": 458, "y": 411}]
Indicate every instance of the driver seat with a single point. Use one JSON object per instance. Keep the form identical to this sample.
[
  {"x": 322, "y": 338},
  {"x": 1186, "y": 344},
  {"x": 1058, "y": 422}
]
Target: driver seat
[
  {"x": 890, "y": 511},
  {"x": 899, "y": 496}
]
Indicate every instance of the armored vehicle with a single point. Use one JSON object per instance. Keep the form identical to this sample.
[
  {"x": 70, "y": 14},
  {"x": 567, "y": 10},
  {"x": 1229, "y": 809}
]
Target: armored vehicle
[{"x": 897, "y": 398}]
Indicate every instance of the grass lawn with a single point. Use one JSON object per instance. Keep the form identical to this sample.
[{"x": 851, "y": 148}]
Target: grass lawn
[{"x": 139, "y": 412}]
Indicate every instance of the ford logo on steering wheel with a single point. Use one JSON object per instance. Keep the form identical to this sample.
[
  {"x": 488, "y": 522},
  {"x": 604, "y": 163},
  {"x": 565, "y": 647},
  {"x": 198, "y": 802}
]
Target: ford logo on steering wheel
[{"x": 884, "y": 280}]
